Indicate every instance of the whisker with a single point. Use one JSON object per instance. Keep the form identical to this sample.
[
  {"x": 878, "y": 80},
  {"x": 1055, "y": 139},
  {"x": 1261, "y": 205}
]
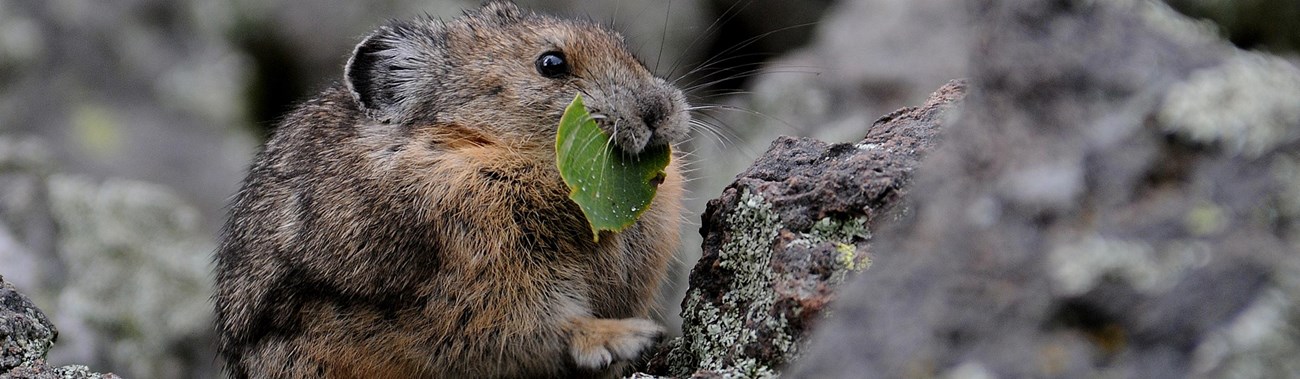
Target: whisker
[
  {"x": 755, "y": 39},
  {"x": 722, "y": 139},
  {"x": 749, "y": 41},
  {"x": 747, "y": 74},
  {"x": 607, "y": 152},
  {"x": 752, "y": 112},
  {"x": 711, "y": 65},
  {"x": 714, "y": 27},
  {"x": 613, "y": 22},
  {"x": 724, "y": 129},
  {"x": 664, "y": 37}
]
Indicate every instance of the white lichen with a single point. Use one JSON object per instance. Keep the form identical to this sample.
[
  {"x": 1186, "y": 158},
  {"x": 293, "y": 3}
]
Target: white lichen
[
  {"x": 714, "y": 338},
  {"x": 1262, "y": 342},
  {"x": 141, "y": 266},
  {"x": 1247, "y": 105},
  {"x": 1160, "y": 16},
  {"x": 1078, "y": 264},
  {"x": 76, "y": 372},
  {"x": 1286, "y": 170},
  {"x": 969, "y": 370}
]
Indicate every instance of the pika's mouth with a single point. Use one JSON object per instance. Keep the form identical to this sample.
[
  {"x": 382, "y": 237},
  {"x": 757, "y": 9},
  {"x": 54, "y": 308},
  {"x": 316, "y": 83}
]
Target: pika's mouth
[
  {"x": 649, "y": 115},
  {"x": 630, "y": 135}
]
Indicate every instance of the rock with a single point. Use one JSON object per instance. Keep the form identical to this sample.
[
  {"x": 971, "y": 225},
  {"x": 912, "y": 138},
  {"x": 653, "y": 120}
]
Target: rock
[
  {"x": 866, "y": 58},
  {"x": 26, "y": 229},
  {"x": 142, "y": 89},
  {"x": 141, "y": 265},
  {"x": 125, "y": 275},
  {"x": 40, "y": 370},
  {"x": 26, "y": 336},
  {"x": 1119, "y": 198},
  {"x": 784, "y": 235}
]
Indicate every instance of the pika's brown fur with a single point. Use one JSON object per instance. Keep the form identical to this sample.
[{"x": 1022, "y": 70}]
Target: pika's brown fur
[{"x": 411, "y": 222}]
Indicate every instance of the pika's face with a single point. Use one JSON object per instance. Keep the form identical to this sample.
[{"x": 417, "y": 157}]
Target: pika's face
[{"x": 512, "y": 73}]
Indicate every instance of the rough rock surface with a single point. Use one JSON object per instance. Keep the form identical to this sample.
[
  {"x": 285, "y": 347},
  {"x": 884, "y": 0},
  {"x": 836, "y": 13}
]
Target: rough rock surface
[
  {"x": 26, "y": 333},
  {"x": 867, "y": 58},
  {"x": 784, "y": 235},
  {"x": 1120, "y": 198},
  {"x": 26, "y": 336}
]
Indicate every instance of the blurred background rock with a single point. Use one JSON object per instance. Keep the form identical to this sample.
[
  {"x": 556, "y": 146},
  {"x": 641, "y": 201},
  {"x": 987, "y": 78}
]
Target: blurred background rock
[{"x": 125, "y": 125}]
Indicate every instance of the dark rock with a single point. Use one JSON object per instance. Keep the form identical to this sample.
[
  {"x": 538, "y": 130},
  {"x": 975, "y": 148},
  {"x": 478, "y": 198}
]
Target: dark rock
[
  {"x": 26, "y": 336},
  {"x": 1118, "y": 199},
  {"x": 785, "y": 234},
  {"x": 866, "y": 58},
  {"x": 39, "y": 370}
]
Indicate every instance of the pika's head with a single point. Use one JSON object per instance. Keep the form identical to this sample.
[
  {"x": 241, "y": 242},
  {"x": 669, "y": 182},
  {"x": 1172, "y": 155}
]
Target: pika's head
[{"x": 511, "y": 73}]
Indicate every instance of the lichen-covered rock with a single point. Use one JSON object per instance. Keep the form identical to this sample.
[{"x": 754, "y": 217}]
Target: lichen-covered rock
[
  {"x": 25, "y": 333},
  {"x": 866, "y": 58},
  {"x": 40, "y": 370},
  {"x": 1118, "y": 199},
  {"x": 121, "y": 266},
  {"x": 784, "y": 235},
  {"x": 26, "y": 336},
  {"x": 141, "y": 266},
  {"x": 26, "y": 230}
]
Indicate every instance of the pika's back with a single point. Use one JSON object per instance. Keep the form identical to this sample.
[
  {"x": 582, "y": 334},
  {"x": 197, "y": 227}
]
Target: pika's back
[{"x": 410, "y": 221}]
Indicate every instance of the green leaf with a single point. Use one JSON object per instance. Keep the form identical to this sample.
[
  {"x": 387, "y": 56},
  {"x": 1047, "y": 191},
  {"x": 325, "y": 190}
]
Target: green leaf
[{"x": 612, "y": 187}]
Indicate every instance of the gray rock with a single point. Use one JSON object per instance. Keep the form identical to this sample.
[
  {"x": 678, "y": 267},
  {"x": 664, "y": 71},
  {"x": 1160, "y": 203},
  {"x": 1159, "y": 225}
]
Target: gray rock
[
  {"x": 141, "y": 89},
  {"x": 40, "y": 370},
  {"x": 126, "y": 275},
  {"x": 26, "y": 230},
  {"x": 26, "y": 336},
  {"x": 1118, "y": 199},
  {"x": 867, "y": 58},
  {"x": 141, "y": 265},
  {"x": 785, "y": 234}
]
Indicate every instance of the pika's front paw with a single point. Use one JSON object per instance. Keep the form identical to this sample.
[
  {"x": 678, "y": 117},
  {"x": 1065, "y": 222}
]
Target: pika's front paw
[{"x": 595, "y": 343}]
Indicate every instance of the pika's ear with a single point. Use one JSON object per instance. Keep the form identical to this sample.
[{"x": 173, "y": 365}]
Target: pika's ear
[{"x": 381, "y": 67}]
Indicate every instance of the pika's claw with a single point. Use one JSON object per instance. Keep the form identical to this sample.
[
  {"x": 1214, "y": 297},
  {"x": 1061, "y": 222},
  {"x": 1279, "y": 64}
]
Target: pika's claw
[{"x": 595, "y": 343}]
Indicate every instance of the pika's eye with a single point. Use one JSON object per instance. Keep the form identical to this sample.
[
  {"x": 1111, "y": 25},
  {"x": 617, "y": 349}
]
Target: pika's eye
[{"x": 551, "y": 64}]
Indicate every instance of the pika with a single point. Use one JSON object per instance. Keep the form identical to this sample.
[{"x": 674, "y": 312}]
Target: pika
[{"x": 410, "y": 222}]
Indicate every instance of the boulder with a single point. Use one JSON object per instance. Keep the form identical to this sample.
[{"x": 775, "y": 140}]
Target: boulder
[
  {"x": 25, "y": 338},
  {"x": 785, "y": 234},
  {"x": 1119, "y": 198}
]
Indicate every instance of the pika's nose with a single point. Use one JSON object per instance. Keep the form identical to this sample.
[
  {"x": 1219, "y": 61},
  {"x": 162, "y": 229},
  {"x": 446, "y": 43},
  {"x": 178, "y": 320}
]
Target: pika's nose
[{"x": 653, "y": 110}]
